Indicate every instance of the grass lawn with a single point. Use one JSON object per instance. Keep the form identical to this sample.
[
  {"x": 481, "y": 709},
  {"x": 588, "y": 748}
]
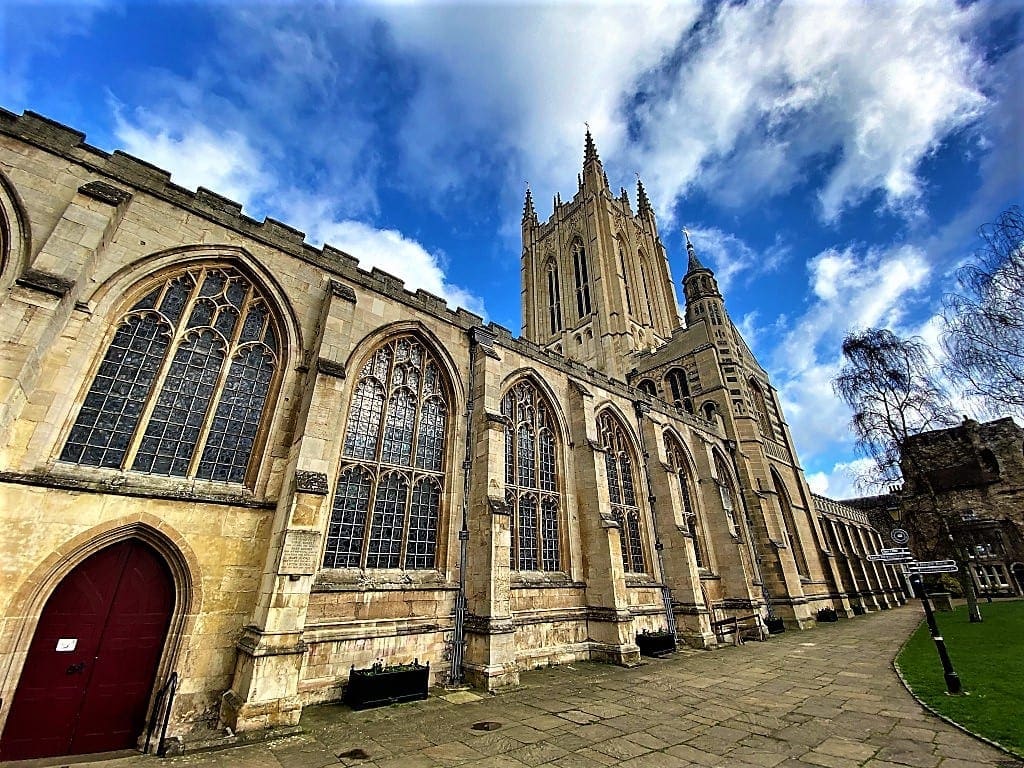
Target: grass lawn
[{"x": 989, "y": 657}]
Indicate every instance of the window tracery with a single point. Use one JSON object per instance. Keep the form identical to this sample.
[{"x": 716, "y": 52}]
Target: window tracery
[
  {"x": 625, "y": 511},
  {"x": 679, "y": 388},
  {"x": 554, "y": 299},
  {"x": 680, "y": 467},
  {"x": 579, "y": 263},
  {"x": 789, "y": 528},
  {"x": 183, "y": 386},
  {"x": 726, "y": 491},
  {"x": 387, "y": 498},
  {"x": 761, "y": 409},
  {"x": 531, "y": 480}
]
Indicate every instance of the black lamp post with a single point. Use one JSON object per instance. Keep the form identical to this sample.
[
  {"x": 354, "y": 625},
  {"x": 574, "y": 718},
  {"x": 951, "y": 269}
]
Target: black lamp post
[{"x": 952, "y": 678}]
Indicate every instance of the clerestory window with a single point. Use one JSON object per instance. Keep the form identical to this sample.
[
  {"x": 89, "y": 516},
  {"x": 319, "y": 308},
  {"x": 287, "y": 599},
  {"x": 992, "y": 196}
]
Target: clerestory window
[
  {"x": 531, "y": 480},
  {"x": 185, "y": 383},
  {"x": 387, "y": 500}
]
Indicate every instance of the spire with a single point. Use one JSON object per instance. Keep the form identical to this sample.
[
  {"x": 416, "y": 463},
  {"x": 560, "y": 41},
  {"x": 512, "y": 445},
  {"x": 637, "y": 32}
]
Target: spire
[
  {"x": 589, "y": 150},
  {"x": 642, "y": 203},
  {"x": 529, "y": 212},
  {"x": 694, "y": 263}
]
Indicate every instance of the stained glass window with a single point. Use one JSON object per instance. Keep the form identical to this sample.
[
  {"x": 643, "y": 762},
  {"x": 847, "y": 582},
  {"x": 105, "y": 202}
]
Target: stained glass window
[
  {"x": 348, "y": 519},
  {"x": 531, "y": 479},
  {"x": 619, "y": 466},
  {"x": 680, "y": 467},
  {"x": 394, "y": 442},
  {"x": 185, "y": 382}
]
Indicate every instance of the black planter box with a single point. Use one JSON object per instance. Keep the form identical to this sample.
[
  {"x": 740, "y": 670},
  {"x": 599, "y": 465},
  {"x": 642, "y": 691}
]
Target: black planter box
[
  {"x": 828, "y": 614},
  {"x": 775, "y": 626},
  {"x": 381, "y": 685},
  {"x": 656, "y": 643}
]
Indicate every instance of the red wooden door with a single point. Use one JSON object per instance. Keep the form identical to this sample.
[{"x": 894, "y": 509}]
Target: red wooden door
[{"x": 90, "y": 669}]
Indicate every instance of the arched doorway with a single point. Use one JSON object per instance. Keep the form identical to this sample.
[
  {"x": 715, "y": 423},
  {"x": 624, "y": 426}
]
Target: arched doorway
[{"x": 89, "y": 673}]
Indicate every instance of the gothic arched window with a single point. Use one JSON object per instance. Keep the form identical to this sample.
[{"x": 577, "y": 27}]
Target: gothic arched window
[
  {"x": 531, "y": 479},
  {"x": 761, "y": 409},
  {"x": 680, "y": 467},
  {"x": 625, "y": 279},
  {"x": 184, "y": 385},
  {"x": 554, "y": 298},
  {"x": 790, "y": 531},
  {"x": 648, "y": 387},
  {"x": 387, "y": 501},
  {"x": 679, "y": 388},
  {"x": 648, "y": 282},
  {"x": 582, "y": 277},
  {"x": 625, "y": 511},
  {"x": 727, "y": 491}
]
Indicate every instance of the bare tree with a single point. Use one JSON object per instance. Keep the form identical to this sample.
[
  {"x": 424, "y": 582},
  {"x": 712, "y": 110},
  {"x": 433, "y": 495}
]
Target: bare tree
[
  {"x": 984, "y": 322},
  {"x": 891, "y": 386}
]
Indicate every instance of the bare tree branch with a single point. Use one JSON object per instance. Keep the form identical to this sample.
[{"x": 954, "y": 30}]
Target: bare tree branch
[{"x": 984, "y": 322}]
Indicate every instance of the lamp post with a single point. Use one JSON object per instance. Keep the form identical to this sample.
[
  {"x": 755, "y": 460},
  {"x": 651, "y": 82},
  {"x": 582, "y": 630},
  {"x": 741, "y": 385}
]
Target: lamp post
[{"x": 953, "y": 684}]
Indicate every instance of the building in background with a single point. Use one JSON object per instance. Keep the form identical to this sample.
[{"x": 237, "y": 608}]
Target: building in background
[{"x": 238, "y": 462}]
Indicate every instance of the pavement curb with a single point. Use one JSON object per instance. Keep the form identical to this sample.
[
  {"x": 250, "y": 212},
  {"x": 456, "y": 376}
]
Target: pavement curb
[{"x": 935, "y": 712}]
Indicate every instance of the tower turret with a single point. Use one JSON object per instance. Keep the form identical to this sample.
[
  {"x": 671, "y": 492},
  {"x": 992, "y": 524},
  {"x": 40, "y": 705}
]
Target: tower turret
[{"x": 703, "y": 299}]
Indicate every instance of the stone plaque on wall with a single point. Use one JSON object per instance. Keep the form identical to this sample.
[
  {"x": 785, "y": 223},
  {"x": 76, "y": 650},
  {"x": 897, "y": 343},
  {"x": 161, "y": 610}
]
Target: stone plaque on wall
[{"x": 301, "y": 553}]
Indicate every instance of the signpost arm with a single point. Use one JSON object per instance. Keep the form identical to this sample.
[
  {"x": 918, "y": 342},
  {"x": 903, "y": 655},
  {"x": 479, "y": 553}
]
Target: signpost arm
[{"x": 952, "y": 678}]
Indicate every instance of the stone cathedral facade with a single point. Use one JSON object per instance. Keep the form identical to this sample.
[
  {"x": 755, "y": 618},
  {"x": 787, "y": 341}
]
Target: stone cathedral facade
[{"x": 240, "y": 463}]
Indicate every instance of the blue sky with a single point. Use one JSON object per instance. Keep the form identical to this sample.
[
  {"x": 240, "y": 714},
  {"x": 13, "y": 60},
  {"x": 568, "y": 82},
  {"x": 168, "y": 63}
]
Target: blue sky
[{"x": 832, "y": 160}]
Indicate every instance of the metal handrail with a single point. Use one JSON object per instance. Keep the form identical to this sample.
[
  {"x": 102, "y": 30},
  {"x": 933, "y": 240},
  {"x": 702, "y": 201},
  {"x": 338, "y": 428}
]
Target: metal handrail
[{"x": 162, "y": 705}]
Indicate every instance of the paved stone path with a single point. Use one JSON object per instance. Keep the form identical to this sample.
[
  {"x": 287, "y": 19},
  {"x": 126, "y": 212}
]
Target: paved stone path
[{"x": 826, "y": 697}]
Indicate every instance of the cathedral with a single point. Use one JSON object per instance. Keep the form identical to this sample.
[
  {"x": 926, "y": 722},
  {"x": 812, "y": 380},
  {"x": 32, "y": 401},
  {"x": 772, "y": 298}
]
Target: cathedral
[{"x": 233, "y": 466}]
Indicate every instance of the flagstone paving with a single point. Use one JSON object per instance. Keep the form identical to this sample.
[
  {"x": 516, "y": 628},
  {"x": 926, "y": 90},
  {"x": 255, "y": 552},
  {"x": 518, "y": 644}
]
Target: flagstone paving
[{"x": 826, "y": 698}]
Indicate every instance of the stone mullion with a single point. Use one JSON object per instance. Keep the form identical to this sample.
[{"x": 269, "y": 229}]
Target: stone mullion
[
  {"x": 610, "y": 623},
  {"x": 490, "y": 630},
  {"x": 264, "y": 689},
  {"x": 678, "y": 560}
]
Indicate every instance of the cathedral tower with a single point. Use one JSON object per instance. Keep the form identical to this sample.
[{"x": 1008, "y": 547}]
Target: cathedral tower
[{"x": 595, "y": 276}]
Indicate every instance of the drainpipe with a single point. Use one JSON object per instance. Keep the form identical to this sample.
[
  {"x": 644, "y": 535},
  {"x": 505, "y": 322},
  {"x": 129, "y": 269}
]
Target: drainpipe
[
  {"x": 666, "y": 593},
  {"x": 478, "y": 335},
  {"x": 755, "y": 553}
]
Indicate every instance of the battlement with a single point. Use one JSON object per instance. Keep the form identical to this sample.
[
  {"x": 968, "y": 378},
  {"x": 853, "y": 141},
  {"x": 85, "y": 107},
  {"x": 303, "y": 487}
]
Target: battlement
[{"x": 127, "y": 170}]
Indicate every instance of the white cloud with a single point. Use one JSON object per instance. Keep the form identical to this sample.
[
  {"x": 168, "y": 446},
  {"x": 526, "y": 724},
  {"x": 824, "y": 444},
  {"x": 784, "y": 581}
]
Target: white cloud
[
  {"x": 508, "y": 87},
  {"x": 196, "y": 156},
  {"x": 730, "y": 257},
  {"x": 767, "y": 92},
  {"x": 851, "y": 289},
  {"x": 228, "y": 165},
  {"x": 844, "y": 480},
  {"x": 386, "y": 249}
]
